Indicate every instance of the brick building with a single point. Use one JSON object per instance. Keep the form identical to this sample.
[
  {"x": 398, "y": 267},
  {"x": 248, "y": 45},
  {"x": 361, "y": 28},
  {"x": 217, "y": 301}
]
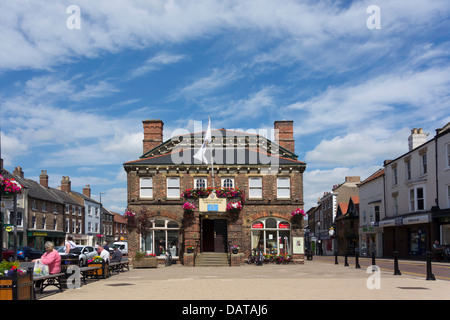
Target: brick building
[{"x": 249, "y": 170}]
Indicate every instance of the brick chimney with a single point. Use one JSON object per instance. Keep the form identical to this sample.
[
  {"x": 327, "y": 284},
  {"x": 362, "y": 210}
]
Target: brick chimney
[
  {"x": 65, "y": 184},
  {"x": 18, "y": 172},
  {"x": 87, "y": 191},
  {"x": 43, "y": 178},
  {"x": 353, "y": 179},
  {"x": 417, "y": 138},
  {"x": 284, "y": 134},
  {"x": 153, "y": 134}
]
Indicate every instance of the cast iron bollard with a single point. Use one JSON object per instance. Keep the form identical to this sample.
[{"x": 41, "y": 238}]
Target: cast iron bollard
[
  {"x": 430, "y": 275},
  {"x": 346, "y": 260},
  {"x": 396, "y": 270},
  {"x": 336, "y": 258},
  {"x": 357, "y": 266},
  {"x": 373, "y": 258}
]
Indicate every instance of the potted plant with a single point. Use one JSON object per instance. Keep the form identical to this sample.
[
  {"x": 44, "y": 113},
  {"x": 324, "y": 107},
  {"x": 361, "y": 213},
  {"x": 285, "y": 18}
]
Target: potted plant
[
  {"x": 145, "y": 260},
  {"x": 97, "y": 261},
  {"x": 235, "y": 249},
  {"x": 190, "y": 249},
  {"x": 16, "y": 283}
]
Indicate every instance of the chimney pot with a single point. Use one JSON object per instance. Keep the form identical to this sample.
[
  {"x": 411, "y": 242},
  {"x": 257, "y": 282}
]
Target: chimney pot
[
  {"x": 87, "y": 191},
  {"x": 284, "y": 134},
  {"x": 43, "y": 179},
  {"x": 153, "y": 134},
  {"x": 65, "y": 184}
]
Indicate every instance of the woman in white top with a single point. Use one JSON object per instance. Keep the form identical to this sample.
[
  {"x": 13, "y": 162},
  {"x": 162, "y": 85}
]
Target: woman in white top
[{"x": 70, "y": 244}]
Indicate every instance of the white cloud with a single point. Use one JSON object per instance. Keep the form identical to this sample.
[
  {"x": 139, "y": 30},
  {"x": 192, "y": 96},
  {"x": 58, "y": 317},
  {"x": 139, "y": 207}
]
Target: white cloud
[
  {"x": 356, "y": 149},
  {"x": 155, "y": 63}
]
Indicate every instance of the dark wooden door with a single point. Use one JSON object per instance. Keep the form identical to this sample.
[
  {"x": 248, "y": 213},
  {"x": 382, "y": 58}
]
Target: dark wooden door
[
  {"x": 207, "y": 235},
  {"x": 220, "y": 235}
]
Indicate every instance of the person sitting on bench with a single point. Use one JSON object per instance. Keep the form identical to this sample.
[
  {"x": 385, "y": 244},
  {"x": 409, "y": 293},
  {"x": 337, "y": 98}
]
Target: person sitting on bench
[
  {"x": 51, "y": 258},
  {"x": 116, "y": 256}
]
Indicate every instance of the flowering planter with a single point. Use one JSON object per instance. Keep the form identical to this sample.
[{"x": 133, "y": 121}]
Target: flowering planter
[
  {"x": 102, "y": 272},
  {"x": 16, "y": 287},
  {"x": 235, "y": 251},
  {"x": 145, "y": 263},
  {"x": 190, "y": 250}
]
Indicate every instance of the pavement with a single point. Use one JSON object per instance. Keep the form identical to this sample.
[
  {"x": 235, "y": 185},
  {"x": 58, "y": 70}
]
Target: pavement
[{"x": 314, "y": 280}]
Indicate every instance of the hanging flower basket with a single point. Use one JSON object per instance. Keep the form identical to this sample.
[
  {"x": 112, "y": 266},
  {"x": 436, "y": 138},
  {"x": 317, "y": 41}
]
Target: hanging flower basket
[
  {"x": 235, "y": 249},
  {"x": 234, "y": 206},
  {"x": 298, "y": 213},
  {"x": 189, "y": 207},
  {"x": 10, "y": 186}
]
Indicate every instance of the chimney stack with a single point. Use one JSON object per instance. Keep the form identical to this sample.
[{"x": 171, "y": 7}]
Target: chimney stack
[
  {"x": 153, "y": 134},
  {"x": 18, "y": 172},
  {"x": 87, "y": 191},
  {"x": 284, "y": 134},
  {"x": 65, "y": 184},
  {"x": 417, "y": 138},
  {"x": 43, "y": 179}
]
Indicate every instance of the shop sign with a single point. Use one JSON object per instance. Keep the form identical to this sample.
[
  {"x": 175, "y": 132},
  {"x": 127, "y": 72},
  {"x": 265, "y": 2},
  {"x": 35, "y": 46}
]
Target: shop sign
[
  {"x": 257, "y": 225},
  {"x": 212, "y": 204},
  {"x": 284, "y": 225},
  {"x": 417, "y": 219},
  {"x": 37, "y": 234}
]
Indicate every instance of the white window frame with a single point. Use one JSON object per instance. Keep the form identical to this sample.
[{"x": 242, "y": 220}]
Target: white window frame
[
  {"x": 394, "y": 176},
  {"x": 200, "y": 181},
  {"x": 173, "y": 188},
  {"x": 424, "y": 163},
  {"x": 408, "y": 170},
  {"x": 146, "y": 185},
  {"x": 255, "y": 187},
  {"x": 226, "y": 180},
  {"x": 288, "y": 188},
  {"x": 414, "y": 199}
]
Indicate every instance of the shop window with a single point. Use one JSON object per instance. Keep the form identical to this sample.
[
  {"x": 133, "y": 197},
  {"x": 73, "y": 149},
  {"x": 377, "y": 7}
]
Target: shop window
[
  {"x": 164, "y": 235},
  {"x": 272, "y": 235}
]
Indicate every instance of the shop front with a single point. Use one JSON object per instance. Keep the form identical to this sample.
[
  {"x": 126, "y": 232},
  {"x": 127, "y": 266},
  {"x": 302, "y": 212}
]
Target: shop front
[
  {"x": 410, "y": 236},
  {"x": 38, "y": 238}
]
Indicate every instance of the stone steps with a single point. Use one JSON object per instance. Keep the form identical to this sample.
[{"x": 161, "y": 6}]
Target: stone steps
[{"x": 211, "y": 259}]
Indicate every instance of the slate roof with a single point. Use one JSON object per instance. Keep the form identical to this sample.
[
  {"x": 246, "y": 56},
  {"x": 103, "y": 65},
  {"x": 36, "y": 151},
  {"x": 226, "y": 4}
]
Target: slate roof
[{"x": 222, "y": 156}]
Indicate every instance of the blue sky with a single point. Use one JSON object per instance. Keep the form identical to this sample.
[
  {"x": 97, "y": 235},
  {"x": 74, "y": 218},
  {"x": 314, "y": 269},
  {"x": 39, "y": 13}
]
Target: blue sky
[{"x": 73, "y": 100}]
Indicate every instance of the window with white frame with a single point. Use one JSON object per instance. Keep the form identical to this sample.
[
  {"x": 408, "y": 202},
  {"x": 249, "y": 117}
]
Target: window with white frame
[
  {"x": 417, "y": 199},
  {"x": 255, "y": 187},
  {"x": 395, "y": 199},
  {"x": 408, "y": 169},
  {"x": 228, "y": 182},
  {"x": 394, "y": 176},
  {"x": 200, "y": 183},
  {"x": 163, "y": 235},
  {"x": 272, "y": 236},
  {"x": 55, "y": 223},
  {"x": 67, "y": 225},
  {"x": 448, "y": 155},
  {"x": 173, "y": 187},
  {"x": 424, "y": 163},
  {"x": 146, "y": 187},
  {"x": 79, "y": 227},
  {"x": 283, "y": 187},
  {"x": 89, "y": 226}
]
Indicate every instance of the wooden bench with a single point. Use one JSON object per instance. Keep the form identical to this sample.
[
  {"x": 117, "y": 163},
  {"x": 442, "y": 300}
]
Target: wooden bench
[
  {"x": 49, "y": 280},
  {"x": 119, "y": 266}
]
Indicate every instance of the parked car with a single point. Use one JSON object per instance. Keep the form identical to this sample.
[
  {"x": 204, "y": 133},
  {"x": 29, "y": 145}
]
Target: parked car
[
  {"x": 122, "y": 246},
  {"x": 87, "y": 253},
  {"x": 28, "y": 253},
  {"x": 8, "y": 255}
]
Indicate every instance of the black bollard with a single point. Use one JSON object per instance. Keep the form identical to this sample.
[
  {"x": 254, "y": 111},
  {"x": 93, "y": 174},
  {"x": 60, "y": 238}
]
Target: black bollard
[
  {"x": 373, "y": 258},
  {"x": 346, "y": 260},
  {"x": 430, "y": 275},
  {"x": 396, "y": 270},
  {"x": 357, "y": 266},
  {"x": 336, "y": 258}
]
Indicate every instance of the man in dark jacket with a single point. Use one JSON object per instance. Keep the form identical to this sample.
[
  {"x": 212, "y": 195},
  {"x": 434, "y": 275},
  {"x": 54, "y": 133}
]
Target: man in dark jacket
[{"x": 116, "y": 256}]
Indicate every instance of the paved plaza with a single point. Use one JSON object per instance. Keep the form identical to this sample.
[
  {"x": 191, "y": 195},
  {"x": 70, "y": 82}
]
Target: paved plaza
[{"x": 315, "y": 280}]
